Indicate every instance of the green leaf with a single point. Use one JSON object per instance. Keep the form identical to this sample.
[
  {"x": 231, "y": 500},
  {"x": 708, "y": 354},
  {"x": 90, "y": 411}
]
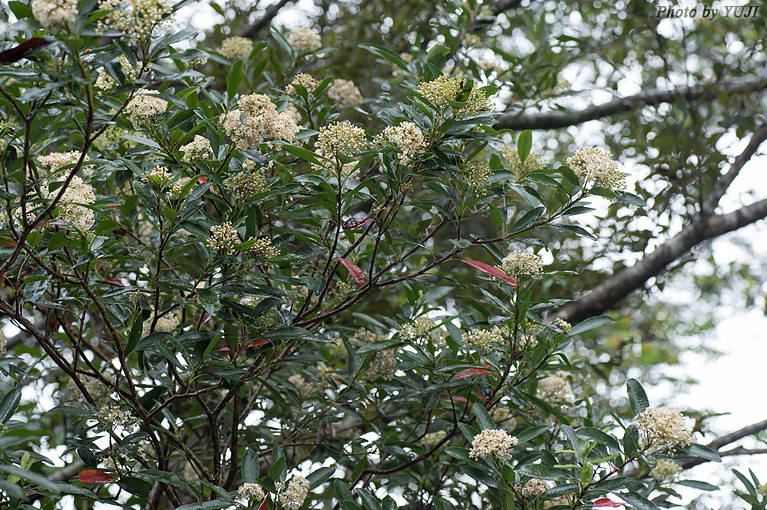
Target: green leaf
[
  {"x": 21, "y": 10},
  {"x": 459, "y": 452},
  {"x": 637, "y": 396},
  {"x": 698, "y": 450},
  {"x": 697, "y": 484},
  {"x": 385, "y": 53},
  {"x": 234, "y": 79},
  {"x": 638, "y": 501},
  {"x": 136, "y": 486},
  {"x": 524, "y": 144},
  {"x": 628, "y": 198},
  {"x": 9, "y": 404},
  {"x": 532, "y": 433},
  {"x": 529, "y": 219},
  {"x": 545, "y": 472},
  {"x": 597, "y": 436},
  {"x": 304, "y": 154},
  {"x": 320, "y": 476},
  {"x": 250, "y": 468},
  {"x": 209, "y": 299},
  {"x": 30, "y": 477},
  {"x": 207, "y": 505},
  {"x": 591, "y": 323},
  {"x": 483, "y": 417},
  {"x": 135, "y": 333}
]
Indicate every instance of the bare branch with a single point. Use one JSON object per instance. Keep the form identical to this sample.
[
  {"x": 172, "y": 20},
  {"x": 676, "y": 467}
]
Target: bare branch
[
  {"x": 724, "y": 182},
  {"x": 605, "y": 296},
  {"x": 560, "y": 119},
  {"x": 728, "y": 439},
  {"x": 265, "y": 20}
]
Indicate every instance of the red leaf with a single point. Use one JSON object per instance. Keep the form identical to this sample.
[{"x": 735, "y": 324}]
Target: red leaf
[
  {"x": 256, "y": 343},
  {"x": 355, "y": 271},
  {"x": 354, "y": 223},
  {"x": 469, "y": 372},
  {"x": 95, "y": 476},
  {"x": 487, "y": 268},
  {"x": 606, "y": 502},
  {"x": 457, "y": 398},
  {"x": 263, "y": 505},
  {"x": 22, "y": 50},
  {"x": 7, "y": 243}
]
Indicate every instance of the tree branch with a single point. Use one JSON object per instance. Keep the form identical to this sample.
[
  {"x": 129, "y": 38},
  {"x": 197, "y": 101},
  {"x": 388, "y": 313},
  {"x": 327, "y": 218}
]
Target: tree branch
[
  {"x": 728, "y": 439},
  {"x": 607, "y": 294},
  {"x": 560, "y": 119},
  {"x": 724, "y": 182},
  {"x": 265, "y": 20}
]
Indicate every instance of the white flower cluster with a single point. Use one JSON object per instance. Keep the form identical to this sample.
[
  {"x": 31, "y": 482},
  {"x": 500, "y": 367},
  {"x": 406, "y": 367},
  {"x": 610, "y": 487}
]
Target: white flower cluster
[
  {"x": 246, "y": 183},
  {"x": 305, "y": 39},
  {"x": 663, "y": 428},
  {"x": 342, "y": 137},
  {"x": 161, "y": 172},
  {"x": 167, "y": 323},
  {"x": 178, "y": 187},
  {"x": 112, "y": 416},
  {"x": 3, "y": 342},
  {"x": 762, "y": 490},
  {"x": 56, "y": 160},
  {"x": 199, "y": 148},
  {"x": 236, "y": 48},
  {"x": 432, "y": 438},
  {"x": 445, "y": 89},
  {"x": 294, "y": 495},
  {"x": 136, "y": 19},
  {"x": 532, "y": 162},
  {"x": 223, "y": 237},
  {"x": 256, "y": 120},
  {"x": 666, "y": 469},
  {"x": 97, "y": 390},
  {"x": 483, "y": 338},
  {"x": 106, "y": 82},
  {"x": 303, "y": 80},
  {"x": 304, "y": 386},
  {"x": 144, "y": 105},
  {"x": 419, "y": 328},
  {"x": 535, "y": 487},
  {"x": 504, "y": 417},
  {"x": 492, "y": 442},
  {"x": 70, "y": 206},
  {"x": 519, "y": 263},
  {"x": 263, "y": 249},
  {"x": 563, "y": 325},
  {"x": 477, "y": 176},
  {"x": 556, "y": 389},
  {"x": 383, "y": 366},
  {"x": 408, "y": 138},
  {"x": 54, "y": 12},
  {"x": 596, "y": 167},
  {"x": 345, "y": 92},
  {"x": 252, "y": 491}
]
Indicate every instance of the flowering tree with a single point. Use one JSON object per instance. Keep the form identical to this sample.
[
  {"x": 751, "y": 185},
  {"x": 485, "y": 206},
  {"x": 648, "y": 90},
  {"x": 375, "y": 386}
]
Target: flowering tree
[{"x": 259, "y": 289}]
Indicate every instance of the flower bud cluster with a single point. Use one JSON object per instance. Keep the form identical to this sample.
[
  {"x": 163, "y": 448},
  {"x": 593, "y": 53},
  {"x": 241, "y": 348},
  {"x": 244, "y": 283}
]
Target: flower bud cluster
[
  {"x": 489, "y": 442},
  {"x": 345, "y": 92},
  {"x": 519, "y": 263},
  {"x": 663, "y": 429},
  {"x": 305, "y": 39},
  {"x": 236, "y": 48},
  {"x": 593, "y": 166}
]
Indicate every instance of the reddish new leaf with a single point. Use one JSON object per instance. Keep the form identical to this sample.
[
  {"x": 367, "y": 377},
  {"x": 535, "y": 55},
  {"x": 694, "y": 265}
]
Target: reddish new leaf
[
  {"x": 95, "y": 476},
  {"x": 354, "y": 223},
  {"x": 22, "y": 50},
  {"x": 355, "y": 271},
  {"x": 606, "y": 502},
  {"x": 263, "y": 504},
  {"x": 469, "y": 372},
  {"x": 487, "y": 268},
  {"x": 256, "y": 343}
]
